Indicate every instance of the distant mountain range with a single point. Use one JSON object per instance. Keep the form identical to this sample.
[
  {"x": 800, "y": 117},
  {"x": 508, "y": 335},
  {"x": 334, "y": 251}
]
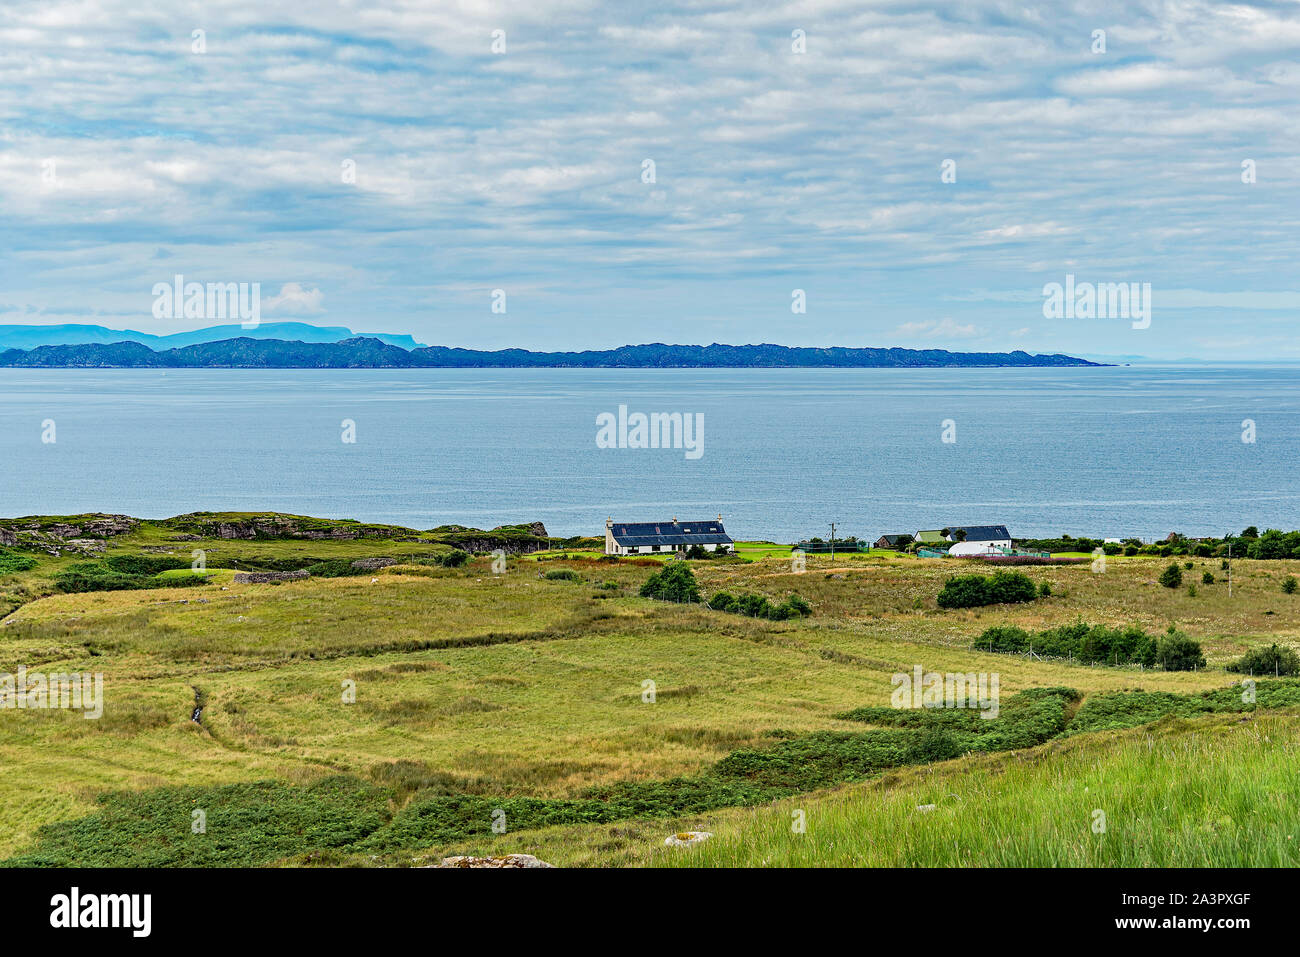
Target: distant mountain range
[
  {"x": 32, "y": 337},
  {"x": 372, "y": 352}
]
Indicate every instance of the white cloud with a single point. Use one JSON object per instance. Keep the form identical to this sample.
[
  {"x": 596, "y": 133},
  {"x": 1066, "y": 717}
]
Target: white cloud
[
  {"x": 523, "y": 171},
  {"x": 295, "y": 300},
  {"x": 945, "y": 328}
]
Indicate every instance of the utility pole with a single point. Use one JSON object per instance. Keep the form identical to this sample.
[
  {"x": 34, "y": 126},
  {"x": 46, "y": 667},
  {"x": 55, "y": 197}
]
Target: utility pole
[
  {"x": 1229, "y": 566},
  {"x": 832, "y": 543}
]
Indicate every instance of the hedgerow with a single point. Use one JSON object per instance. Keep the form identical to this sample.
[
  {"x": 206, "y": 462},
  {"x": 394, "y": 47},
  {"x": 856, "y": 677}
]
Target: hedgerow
[
  {"x": 759, "y": 606},
  {"x": 972, "y": 591},
  {"x": 1097, "y": 644}
]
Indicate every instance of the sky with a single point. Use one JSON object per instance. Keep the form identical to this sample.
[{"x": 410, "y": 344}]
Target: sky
[{"x": 919, "y": 171}]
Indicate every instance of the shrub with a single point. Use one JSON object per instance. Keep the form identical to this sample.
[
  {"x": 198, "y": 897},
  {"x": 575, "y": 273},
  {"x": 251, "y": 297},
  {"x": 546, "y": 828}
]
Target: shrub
[
  {"x": 970, "y": 591},
  {"x": 1191, "y": 591},
  {"x": 798, "y": 606},
  {"x": 563, "y": 575},
  {"x": 1188, "y": 565},
  {"x": 1090, "y": 644},
  {"x": 12, "y": 562},
  {"x": 758, "y": 606},
  {"x": 1005, "y": 638},
  {"x": 143, "y": 564},
  {"x": 91, "y": 576},
  {"x": 1172, "y": 576},
  {"x": 1289, "y": 584},
  {"x": 452, "y": 559},
  {"x": 1177, "y": 652},
  {"x": 1044, "y": 590},
  {"x": 1207, "y": 578},
  {"x": 675, "y": 582},
  {"x": 1273, "y": 660},
  {"x": 723, "y": 601},
  {"x": 335, "y": 568}
]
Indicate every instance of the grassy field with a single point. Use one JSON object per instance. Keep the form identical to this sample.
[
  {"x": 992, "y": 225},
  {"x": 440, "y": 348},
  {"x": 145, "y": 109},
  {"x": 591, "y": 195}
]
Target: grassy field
[{"x": 473, "y": 689}]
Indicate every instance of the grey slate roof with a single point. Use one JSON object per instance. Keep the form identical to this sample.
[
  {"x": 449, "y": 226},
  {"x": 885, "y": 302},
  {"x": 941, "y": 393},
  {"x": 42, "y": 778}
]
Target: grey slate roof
[
  {"x": 981, "y": 533},
  {"x": 636, "y": 534}
]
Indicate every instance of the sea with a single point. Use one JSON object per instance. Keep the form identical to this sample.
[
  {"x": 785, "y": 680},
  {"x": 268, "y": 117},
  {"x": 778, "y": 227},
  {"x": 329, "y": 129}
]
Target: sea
[{"x": 779, "y": 453}]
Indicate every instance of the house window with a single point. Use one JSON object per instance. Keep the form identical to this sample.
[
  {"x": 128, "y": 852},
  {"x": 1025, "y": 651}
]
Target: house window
[{"x": 654, "y": 548}]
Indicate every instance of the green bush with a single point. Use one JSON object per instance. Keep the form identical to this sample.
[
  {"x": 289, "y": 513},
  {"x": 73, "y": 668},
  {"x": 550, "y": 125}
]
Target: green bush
[
  {"x": 971, "y": 591},
  {"x": 675, "y": 582},
  {"x": 1273, "y": 660},
  {"x": 759, "y": 606},
  {"x": 1172, "y": 576},
  {"x": 563, "y": 575},
  {"x": 1207, "y": 578},
  {"x": 335, "y": 568},
  {"x": 1044, "y": 590},
  {"x": 1289, "y": 584},
  {"x": 452, "y": 559},
  {"x": 1176, "y": 652},
  {"x": 1089, "y": 644},
  {"x": 99, "y": 576},
  {"x": 1004, "y": 638},
  {"x": 723, "y": 601},
  {"x": 92, "y": 576},
  {"x": 144, "y": 564},
  {"x": 13, "y": 562}
]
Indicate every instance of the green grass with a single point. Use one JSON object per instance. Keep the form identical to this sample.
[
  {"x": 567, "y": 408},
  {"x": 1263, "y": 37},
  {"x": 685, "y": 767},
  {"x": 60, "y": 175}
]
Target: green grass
[
  {"x": 484, "y": 687},
  {"x": 1214, "y": 791}
]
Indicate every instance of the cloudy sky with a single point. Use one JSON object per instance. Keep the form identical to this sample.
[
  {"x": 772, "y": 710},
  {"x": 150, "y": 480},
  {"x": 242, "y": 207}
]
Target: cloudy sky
[{"x": 126, "y": 157}]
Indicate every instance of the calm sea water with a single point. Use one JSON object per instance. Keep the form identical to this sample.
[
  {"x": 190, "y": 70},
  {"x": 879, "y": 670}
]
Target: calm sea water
[{"x": 1111, "y": 451}]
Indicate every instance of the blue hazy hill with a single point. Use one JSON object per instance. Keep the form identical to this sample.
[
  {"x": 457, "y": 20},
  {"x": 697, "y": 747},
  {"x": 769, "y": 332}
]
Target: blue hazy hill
[{"x": 33, "y": 337}]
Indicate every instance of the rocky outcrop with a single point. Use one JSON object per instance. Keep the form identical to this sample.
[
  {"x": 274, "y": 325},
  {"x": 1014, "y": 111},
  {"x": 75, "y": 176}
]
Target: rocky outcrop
[
  {"x": 54, "y": 535},
  {"x": 532, "y": 528},
  {"x": 280, "y": 527},
  {"x": 85, "y": 546},
  {"x": 373, "y": 564},
  {"x": 506, "y": 860},
  {"x": 264, "y": 578}
]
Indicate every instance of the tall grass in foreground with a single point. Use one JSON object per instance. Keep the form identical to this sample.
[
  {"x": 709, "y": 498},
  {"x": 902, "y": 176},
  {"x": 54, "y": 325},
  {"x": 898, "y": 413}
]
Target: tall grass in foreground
[{"x": 1218, "y": 792}]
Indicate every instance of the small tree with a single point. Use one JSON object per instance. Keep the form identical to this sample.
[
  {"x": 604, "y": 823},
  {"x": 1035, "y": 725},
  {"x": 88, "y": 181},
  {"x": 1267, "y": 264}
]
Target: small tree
[
  {"x": 1274, "y": 660},
  {"x": 1207, "y": 578},
  {"x": 1172, "y": 576},
  {"x": 1177, "y": 652},
  {"x": 1289, "y": 584},
  {"x": 676, "y": 582}
]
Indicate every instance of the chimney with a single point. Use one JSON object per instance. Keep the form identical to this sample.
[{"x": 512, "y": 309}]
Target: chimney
[
  {"x": 609, "y": 522},
  {"x": 674, "y": 519},
  {"x": 719, "y": 516}
]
